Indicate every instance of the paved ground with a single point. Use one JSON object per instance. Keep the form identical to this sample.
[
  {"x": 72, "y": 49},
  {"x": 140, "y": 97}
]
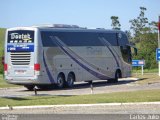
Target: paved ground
[
  {"x": 83, "y": 88},
  {"x": 69, "y": 117},
  {"x": 115, "y": 108},
  {"x": 91, "y": 112}
]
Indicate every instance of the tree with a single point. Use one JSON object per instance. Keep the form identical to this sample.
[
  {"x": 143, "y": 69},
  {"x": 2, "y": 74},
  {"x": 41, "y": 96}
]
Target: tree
[
  {"x": 144, "y": 35},
  {"x": 129, "y": 35},
  {"x": 115, "y": 23},
  {"x": 138, "y": 25},
  {"x": 153, "y": 26},
  {"x": 147, "y": 48}
]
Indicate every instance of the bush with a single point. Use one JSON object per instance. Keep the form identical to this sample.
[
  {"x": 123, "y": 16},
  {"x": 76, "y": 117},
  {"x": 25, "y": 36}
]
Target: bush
[{"x": 2, "y": 38}]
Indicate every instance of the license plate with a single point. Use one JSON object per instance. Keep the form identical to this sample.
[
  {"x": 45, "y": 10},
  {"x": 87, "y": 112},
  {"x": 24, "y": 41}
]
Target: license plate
[{"x": 20, "y": 71}]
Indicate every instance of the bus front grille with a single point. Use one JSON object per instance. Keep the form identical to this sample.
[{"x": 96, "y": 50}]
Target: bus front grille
[{"x": 20, "y": 58}]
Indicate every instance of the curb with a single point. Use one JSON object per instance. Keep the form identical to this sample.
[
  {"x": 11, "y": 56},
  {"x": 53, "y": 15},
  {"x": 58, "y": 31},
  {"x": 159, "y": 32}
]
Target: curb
[
  {"x": 131, "y": 78},
  {"x": 77, "y": 105}
]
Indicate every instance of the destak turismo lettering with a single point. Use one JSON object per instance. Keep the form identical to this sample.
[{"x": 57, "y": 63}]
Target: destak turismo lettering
[{"x": 20, "y": 36}]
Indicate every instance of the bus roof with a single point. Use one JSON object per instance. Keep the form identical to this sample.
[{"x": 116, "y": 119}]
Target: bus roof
[
  {"x": 71, "y": 28},
  {"x": 80, "y": 30},
  {"x": 66, "y": 28}
]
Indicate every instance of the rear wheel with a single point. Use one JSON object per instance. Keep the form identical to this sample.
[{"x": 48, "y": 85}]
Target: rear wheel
[
  {"x": 70, "y": 80},
  {"x": 60, "y": 81},
  {"x": 29, "y": 87}
]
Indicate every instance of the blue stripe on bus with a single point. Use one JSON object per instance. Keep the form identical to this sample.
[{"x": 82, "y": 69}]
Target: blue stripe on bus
[
  {"x": 27, "y": 48},
  {"x": 96, "y": 74},
  {"x": 47, "y": 69}
]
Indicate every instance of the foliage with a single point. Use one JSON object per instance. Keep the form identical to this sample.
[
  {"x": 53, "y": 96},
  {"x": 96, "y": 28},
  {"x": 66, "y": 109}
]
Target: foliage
[
  {"x": 2, "y": 37},
  {"x": 147, "y": 50},
  {"x": 115, "y": 23},
  {"x": 138, "y": 25},
  {"x": 144, "y": 36}
]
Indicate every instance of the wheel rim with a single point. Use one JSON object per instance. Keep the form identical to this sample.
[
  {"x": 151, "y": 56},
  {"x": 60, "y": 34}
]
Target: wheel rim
[
  {"x": 60, "y": 82},
  {"x": 70, "y": 81}
]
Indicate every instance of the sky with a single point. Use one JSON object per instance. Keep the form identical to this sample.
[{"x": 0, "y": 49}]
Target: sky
[{"x": 84, "y": 13}]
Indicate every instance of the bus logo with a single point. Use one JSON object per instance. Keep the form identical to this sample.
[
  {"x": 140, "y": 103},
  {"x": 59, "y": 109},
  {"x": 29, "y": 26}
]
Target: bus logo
[{"x": 24, "y": 37}]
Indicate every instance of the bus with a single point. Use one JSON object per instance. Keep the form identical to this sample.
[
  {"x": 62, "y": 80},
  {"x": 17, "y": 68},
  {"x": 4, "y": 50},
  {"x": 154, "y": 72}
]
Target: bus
[{"x": 63, "y": 54}]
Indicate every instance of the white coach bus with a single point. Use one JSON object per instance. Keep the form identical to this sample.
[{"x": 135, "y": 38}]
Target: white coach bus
[{"x": 63, "y": 54}]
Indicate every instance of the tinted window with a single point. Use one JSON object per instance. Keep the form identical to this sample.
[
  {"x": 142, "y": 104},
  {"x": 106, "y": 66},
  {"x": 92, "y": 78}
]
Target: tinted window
[
  {"x": 111, "y": 38},
  {"x": 72, "y": 38},
  {"x": 21, "y": 36},
  {"x": 78, "y": 38},
  {"x": 126, "y": 54},
  {"x": 122, "y": 39}
]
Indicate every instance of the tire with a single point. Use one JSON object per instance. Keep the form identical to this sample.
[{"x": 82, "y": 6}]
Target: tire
[
  {"x": 70, "y": 80},
  {"x": 60, "y": 81},
  {"x": 29, "y": 87},
  {"x": 117, "y": 76}
]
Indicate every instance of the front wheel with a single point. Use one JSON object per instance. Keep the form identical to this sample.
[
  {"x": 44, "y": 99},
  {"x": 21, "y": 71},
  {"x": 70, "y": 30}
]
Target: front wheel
[{"x": 117, "y": 76}]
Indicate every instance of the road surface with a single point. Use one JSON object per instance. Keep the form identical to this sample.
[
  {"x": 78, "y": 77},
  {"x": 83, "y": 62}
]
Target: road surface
[
  {"x": 82, "y": 89},
  {"x": 123, "y": 111},
  {"x": 67, "y": 117},
  {"x": 108, "y": 112}
]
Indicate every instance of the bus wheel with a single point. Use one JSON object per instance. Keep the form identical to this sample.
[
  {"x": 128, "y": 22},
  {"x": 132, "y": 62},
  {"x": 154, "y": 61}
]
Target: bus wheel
[
  {"x": 70, "y": 80},
  {"x": 117, "y": 76},
  {"x": 29, "y": 87},
  {"x": 115, "y": 80},
  {"x": 60, "y": 81}
]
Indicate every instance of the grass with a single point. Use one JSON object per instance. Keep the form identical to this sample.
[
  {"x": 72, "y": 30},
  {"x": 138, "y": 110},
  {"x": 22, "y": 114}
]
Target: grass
[
  {"x": 122, "y": 97},
  {"x": 147, "y": 78},
  {"x": 4, "y": 84},
  {"x": 139, "y": 71}
]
